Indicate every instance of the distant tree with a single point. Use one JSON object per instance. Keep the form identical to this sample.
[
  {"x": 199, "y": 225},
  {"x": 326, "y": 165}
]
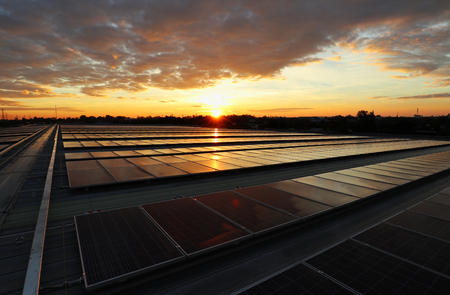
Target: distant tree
[{"x": 366, "y": 121}]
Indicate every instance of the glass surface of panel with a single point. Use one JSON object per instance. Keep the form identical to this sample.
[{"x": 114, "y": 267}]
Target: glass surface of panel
[
  {"x": 163, "y": 170},
  {"x": 239, "y": 162},
  {"x": 433, "y": 209},
  {"x": 370, "y": 271},
  {"x": 111, "y": 163},
  {"x": 396, "y": 168},
  {"x": 440, "y": 198},
  {"x": 244, "y": 211},
  {"x": 127, "y": 153},
  {"x": 284, "y": 201},
  {"x": 371, "y": 176},
  {"x": 218, "y": 165},
  {"x": 83, "y": 165},
  {"x": 143, "y": 161},
  {"x": 98, "y": 155},
  {"x": 107, "y": 143},
  {"x": 192, "y": 158},
  {"x": 74, "y": 144},
  {"x": 427, "y": 225},
  {"x": 130, "y": 173},
  {"x": 336, "y": 186},
  {"x": 446, "y": 191},
  {"x": 118, "y": 242},
  {"x": 323, "y": 196},
  {"x": 192, "y": 167},
  {"x": 73, "y": 156},
  {"x": 90, "y": 143},
  {"x": 381, "y": 186},
  {"x": 387, "y": 173},
  {"x": 192, "y": 226},
  {"x": 92, "y": 177},
  {"x": 169, "y": 159},
  {"x": 418, "y": 248},
  {"x": 299, "y": 279},
  {"x": 148, "y": 152}
]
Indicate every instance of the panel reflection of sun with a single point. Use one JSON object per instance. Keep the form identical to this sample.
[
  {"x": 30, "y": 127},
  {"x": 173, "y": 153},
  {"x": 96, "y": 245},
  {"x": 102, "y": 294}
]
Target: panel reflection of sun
[{"x": 216, "y": 113}]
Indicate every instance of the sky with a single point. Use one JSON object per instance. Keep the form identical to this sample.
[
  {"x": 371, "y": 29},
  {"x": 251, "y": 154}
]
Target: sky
[{"x": 191, "y": 57}]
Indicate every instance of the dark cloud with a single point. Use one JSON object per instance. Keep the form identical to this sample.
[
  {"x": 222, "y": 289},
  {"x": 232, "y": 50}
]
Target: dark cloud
[
  {"x": 425, "y": 96},
  {"x": 101, "y": 46},
  {"x": 279, "y": 110}
]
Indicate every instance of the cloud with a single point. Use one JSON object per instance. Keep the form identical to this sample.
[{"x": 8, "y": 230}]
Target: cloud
[
  {"x": 30, "y": 108},
  {"x": 8, "y": 102},
  {"x": 101, "y": 47},
  {"x": 280, "y": 110},
  {"x": 377, "y": 97},
  {"x": 424, "y": 96},
  {"x": 335, "y": 58},
  {"x": 168, "y": 101}
]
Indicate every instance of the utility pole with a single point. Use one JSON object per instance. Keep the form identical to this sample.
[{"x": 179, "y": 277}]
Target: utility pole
[{"x": 3, "y": 115}]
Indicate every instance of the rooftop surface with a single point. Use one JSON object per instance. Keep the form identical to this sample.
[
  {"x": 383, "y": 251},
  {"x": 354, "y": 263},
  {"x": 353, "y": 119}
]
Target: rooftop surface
[{"x": 231, "y": 161}]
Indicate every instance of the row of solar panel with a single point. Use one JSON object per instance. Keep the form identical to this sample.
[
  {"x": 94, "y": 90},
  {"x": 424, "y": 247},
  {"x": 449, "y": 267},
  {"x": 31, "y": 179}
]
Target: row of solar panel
[
  {"x": 108, "y": 171},
  {"x": 180, "y": 134},
  {"x": 190, "y": 150},
  {"x": 153, "y": 128},
  {"x": 193, "y": 140},
  {"x": 407, "y": 254},
  {"x": 120, "y": 243}
]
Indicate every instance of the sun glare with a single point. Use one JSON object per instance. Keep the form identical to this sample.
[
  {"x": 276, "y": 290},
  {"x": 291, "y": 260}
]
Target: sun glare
[{"x": 216, "y": 113}]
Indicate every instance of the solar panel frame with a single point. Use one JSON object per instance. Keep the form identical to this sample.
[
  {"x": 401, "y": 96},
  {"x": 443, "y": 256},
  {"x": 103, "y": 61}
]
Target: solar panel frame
[
  {"x": 381, "y": 186},
  {"x": 432, "y": 209},
  {"x": 149, "y": 258},
  {"x": 440, "y": 198}
]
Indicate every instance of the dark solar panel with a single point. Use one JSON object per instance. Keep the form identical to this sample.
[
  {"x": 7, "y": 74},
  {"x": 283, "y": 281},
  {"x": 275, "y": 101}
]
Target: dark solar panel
[
  {"x": 299, "y": 279},
  {"x": 193, "y": 168},
  {"x": 103, "y": 154},
  {"x": 118, "y": 243},
  {"x": 369, "y": 169},
  {"x": 370, "y": 271},
  {"x": 192, "y": 226},
  {"x": 418, "y": 248},
  {"x": 127, "y": 153},
  {"x": 73, "y": 156},
  {"x": 446, "y": 191},
  {"x": 381, "y": 186},
  {"x": 112, "y": 163},
  {"x": 411, "y": 164},
  {"x": 372, "y": 176},
  {"x": 83, "y": 165},
  {"x": 85, "y": 178},
  {"x": 246, "y": 212},
  {"x": 283, "y": 200},
  {"x": 337, "y": 186},
  {"x": 401, "y": 169},
  {"x": 440, "y": 198},
  {"x": 143, "y": 161},
  {"x": 163, "y": 170},
  {"x": 125, "y": 174},
  {"x": 323, "y": 196},
  {"x": 169, "y": 159},
  {"x": 427, "y": 225},
  {"x": 239, "y": 162},
  {"x": 218, "y": 165},
  {"x": 433, "y": 209}
]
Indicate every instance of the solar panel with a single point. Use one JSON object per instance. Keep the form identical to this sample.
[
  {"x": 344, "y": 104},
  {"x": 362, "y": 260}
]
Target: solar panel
[
  {"x": 377, "y": 177},
  {"x": 340, "y": 187},
  {"x": 143, "y": 161},
  {"x": 83, "y": 165},
  {"x": 433, "y": 209},
  {"x": 426, "y": 225},
  {"x": 218, "y": 165},
  {"x": 369, "y": 169},
  {"x": 370, "y": 271},
  {"x": 377, "y": 185},
  {"x": 417, "y": 248},
  {"x": 193, "y": 227},
  {"x": 299, "y": 279},
  {"x": 74, "y": 156},
  {"x": 193, "y": 168},
  {"x": 163, "y": 170},
  {"x": 284, "y": 201},
  {"x": 80, "y": 178},
  {"x": 169, "y": 159},
  {"x": 120, "y": 243},
  {"x": 446, "y": 191},
  {"x": 114, "y": 163},
  {"x": 440, "y": 199},
  {"x": 401, "y": 169},
  {"x": 127, "y": 153},
  {"x": 246, "y": 212},
  {"x": 130, "y": 173},
  {"x": 103, "y": 155},
  {"x": 239, "y": 162},
  {"x": 313, "y": 193},
  {"x": 148, "y": 152}
]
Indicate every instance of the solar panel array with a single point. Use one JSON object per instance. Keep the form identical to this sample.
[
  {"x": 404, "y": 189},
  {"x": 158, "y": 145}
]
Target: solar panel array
[
  {"x": 204, "y": 223},
  {"x": 134, "y": 165},
  {"x": 406, "y": 254},
  {"x": 9, "y": 136}
]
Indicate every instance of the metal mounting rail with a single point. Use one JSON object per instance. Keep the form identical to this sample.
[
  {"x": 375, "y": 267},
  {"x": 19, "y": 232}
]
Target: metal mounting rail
[{"x": 33, "y": 276}]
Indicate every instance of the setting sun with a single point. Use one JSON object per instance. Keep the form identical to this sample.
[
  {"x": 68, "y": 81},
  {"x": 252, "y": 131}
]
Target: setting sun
[{"x": 216, "y": 113}]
